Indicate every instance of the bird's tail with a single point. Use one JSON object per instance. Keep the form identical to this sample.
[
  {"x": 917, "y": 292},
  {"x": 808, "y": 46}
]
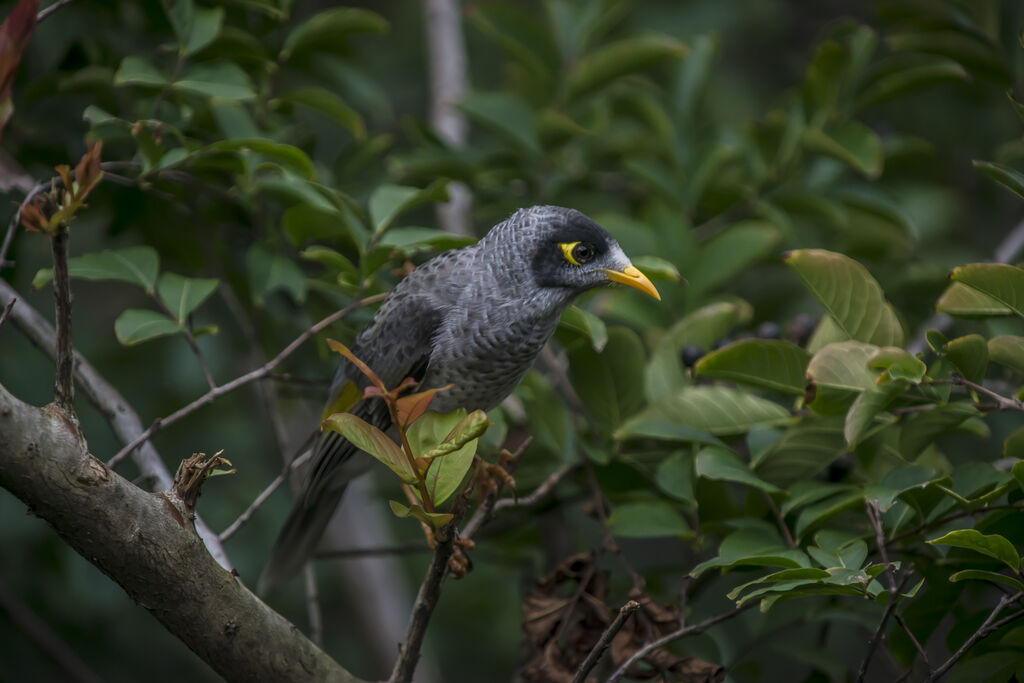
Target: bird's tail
[{"x": 299, "y": 537}]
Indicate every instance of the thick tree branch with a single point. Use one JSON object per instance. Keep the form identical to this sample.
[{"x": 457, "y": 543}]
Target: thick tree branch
[
  {"x": 108, "y": 401},
  {"x": 145, "y": 542}
]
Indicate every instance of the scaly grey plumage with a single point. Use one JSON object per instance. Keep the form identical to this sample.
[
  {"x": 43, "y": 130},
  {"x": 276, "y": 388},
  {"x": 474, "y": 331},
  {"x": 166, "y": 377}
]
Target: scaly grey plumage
[{"x": 475, "y": 318}]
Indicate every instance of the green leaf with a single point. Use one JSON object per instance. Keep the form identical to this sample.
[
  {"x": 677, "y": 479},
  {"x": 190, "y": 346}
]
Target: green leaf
[
  {"x": 702, "y": 328},
  {"x": 137, "y": 71},
  {"x": 852, "y": 143},
  {"x": 767, "y": 363},
  {"x": 642, "y": 428},
  {"x": 451, "y": 462},
  {"x": 269, "y": 272},
  {"x": 657, "y": 268},
  {"x": 328, "y": 104},
  {"x": 629, "y": 55},
  {"x": 136, "y": 265},
  {"x": 837, "y": 375},
  {"x": 850, "y": 295},
  {"x": 757, "y": 547},
  {"x": 389, "y": 201},
  {"x": 969, "y": 354},
  {"x": 506, "y": 115},
  {"x": 803, "y": 450},
  {"x": 1013, "y": 447},
  {"x": 1002, "y": 282},
  {"x": 819, "y": 513},
  {"x": 411, "y": 239},
  {"x": 898, "y": 365},
  {"x": 897, "y": 482},
  {"x": 922, "y": 429},
  {"x": 731, "y": 252},
  {"x": 587, "y": 324},
  {"x": 719, "y": 410},
  {"x": 961, "y": 301},
  {"x": 135, "y": 326},
  {"x": 1007, "y": 350},
  {"x": 720, "y": 463},
  {"x": 226, "y": 80},
  {"x": 992, "y": 545},
  {"x": 674, "y": 476},
  {"x": 804, "y": 493},
  {"x": 865, "y": 408},
  {"x": 1009, "y": 178},
  {"x": 332, "y": 260},
  {"x": 435, "y": 520},
  {"x": 195, "y": 27},
  {"x": 902, "y": 73},
  {"x": 647, "y": 520},
  {"x": 288, "y": 155},
  {"x": 326, "y": 29},
  {"x": 182, "y": 295},
  {"x": 368, "y": 438},
  {"x": 303, "y": 222},
  {"x": 608, "y": 382}
]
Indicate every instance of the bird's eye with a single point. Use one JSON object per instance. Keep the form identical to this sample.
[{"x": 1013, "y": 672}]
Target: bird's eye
[
  {"x": 583, "y": 252},
  {"x": 577, "y": 253}
]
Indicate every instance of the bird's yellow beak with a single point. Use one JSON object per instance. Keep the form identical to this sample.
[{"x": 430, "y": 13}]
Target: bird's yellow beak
[{"x": 632, "y": 277}]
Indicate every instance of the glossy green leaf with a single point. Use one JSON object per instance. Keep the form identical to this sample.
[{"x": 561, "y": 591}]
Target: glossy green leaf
[
  {"x": 195, "y": 27},
  {"x": 368, "y": 438},
  {"x": 838, "y": 374},
  {"x": 721, "y": 411},
  {"x": 969, "y": 355},
  {"x": 897, "y": 365},
  {"x": 389, "y": 201},
  {"x": 1010, "y": 178},
  {"x": 757, "y": 547},
  {"x": 506, "y": 115},
  {"x": 226, "y": 80},
  {"x": 135, "y": 265},
  {"x": 450, "y": 441},
  {"x": 618, "y": 59},
  {"x": 730, "y": 252},
  {"x": 861, "y": 416},
  {"x": 852, "y": 143},
  {"x": 766, "y": 363},
  {"x": 803, "y": 450},
  {"x": 269, "y": 272},
  {"x": 719, "y": 463},
  {"x": 326, "y": 30},
  {"x": 288, "y": 155},
  {"x": 850, "y": 295},
  {"x": 964, "y": 302},
  {"x": 608, "y": 382},
  {"x": 135, "y": 326},
  {"x": 902, "y": 73},
  {"x": 137, "y": 71},
  {"x": 328, "y": 104},
  {"x": 657, "y": 268},
  {"x": 435, "y": 520},
  {"x": 1002, "y": 282},
  {"x": 664, "y": 374},
  {"x": 182, "y": 295},
  {"x": 898, "y": 481},
  {"x": 675, "y": 475},
  {"x": 1007, "y": 350},
  {"x": 992, "y": 545},
  {"x": 412, "y": 239},
  {"x": 587, "y": 324},
  {"x": 647, "y": 520}
]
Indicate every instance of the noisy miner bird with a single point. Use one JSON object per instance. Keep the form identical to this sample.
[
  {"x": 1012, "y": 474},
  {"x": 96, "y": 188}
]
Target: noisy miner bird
[{"x": 475, "y": 318}]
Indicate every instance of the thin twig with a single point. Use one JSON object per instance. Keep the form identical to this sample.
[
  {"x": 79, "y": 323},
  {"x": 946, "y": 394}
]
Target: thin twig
[
  {"x": 262, "y": 497},
  {"x": 429, "y": 593},
  {"x": 64, "y": 392},
  {"x": 7, "y": 310},
  {"x": 47, "y": 11},
  {"x": 316, "y": 621},
  {"x": 1003, "y": 402},
  {"x": 780, "y": 520},
  {"x": 676, "y": 635},
  {"x": 491, "y": 504},
  {"x": 876, "y": 637},
  {"x": 950, "y": 518},
  {"x": 228, "y": 387},
  {"x": 542, "y": 491},
  {"x": 605, "y": 640},
  {"x": 987, "y": 627},
  {"x": 913, "y": 638}
]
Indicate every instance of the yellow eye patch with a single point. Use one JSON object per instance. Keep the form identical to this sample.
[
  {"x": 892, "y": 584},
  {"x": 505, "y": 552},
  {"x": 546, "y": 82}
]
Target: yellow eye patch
[{"x": 567, "y": 248}]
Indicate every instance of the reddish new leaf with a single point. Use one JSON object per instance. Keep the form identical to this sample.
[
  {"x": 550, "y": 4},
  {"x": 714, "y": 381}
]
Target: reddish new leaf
[
  {"x": 411, "y": 408},
  {"x": 15, "y": 32},
  {"x": 363, "y": 367}
]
